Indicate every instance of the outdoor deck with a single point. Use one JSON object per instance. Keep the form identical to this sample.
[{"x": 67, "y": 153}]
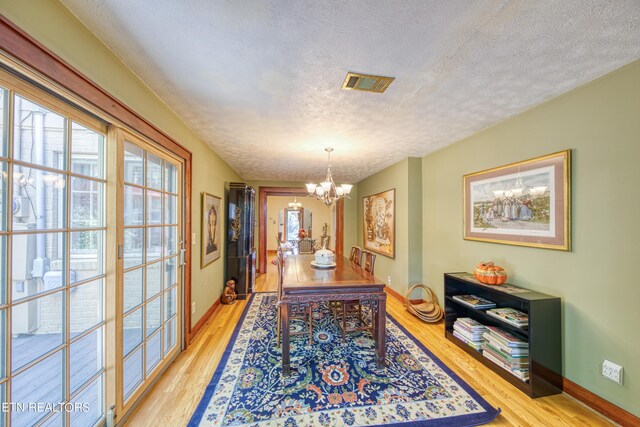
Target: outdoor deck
[{"x": 44, "y": 382}]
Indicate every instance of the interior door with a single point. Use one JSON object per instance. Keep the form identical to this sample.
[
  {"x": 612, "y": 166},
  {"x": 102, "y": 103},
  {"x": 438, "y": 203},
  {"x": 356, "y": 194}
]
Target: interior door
[{"x": 149, "y": 316}]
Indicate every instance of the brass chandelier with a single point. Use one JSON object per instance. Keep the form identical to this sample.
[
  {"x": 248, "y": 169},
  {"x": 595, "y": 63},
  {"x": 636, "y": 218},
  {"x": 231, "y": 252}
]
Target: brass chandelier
[{"x": 327, "y": 191}]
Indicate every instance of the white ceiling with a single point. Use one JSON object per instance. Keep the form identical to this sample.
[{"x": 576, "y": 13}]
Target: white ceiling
[{"x": 260, "y": 80}]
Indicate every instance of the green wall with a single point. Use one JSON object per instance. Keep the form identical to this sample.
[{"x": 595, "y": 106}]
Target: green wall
[
  {"x": 405, "y": 177},
  {"x": 55, "y": 27},
  {"x": 597, "y": 280}
]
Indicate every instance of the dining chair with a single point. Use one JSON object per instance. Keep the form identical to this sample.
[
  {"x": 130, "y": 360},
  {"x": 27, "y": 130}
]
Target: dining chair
[
  {"x": 356, "y": 255},
  {"x": 305, "y": 246},
  {"x": 304, "y": 314},
  {"x": 368, "y": 261},
  {"x": 343, "y": 310}
]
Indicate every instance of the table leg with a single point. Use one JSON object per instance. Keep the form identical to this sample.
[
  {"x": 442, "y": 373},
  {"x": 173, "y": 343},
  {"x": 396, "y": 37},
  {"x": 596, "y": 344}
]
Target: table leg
[
  {"x": 381, "y": 330},
  {"x": 286, "y": 365}
]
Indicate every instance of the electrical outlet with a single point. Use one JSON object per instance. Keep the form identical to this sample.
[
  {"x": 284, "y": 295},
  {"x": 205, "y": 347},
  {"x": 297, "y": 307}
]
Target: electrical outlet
[
  {"x": 193, "y": 239},
  {"x": 612, "y": 371},
  {"x": 193, "y": 307},
  {"x": 389, "y": 280}
]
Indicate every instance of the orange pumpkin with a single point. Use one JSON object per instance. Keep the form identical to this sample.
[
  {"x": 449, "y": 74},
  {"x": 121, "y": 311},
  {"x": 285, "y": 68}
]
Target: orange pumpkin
[{"x": 490, "y": 274}]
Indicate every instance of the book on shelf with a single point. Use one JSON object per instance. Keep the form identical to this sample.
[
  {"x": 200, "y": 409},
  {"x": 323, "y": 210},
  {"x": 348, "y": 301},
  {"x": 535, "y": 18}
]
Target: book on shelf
[
  {"x": 473, "y": 330},
  {"x": 474, "y": 301},
  {"x": 469, "y": 331},
  {"x": 470, "y": 323},
  {"x": 513, "y": 362},
  {"x": 519, "y": 373},
  {"x": 476, "y": 345},
  {"x": 506, "y": 338},
  {"x": 473, "y": 336},
  {"x": 511, "y": 351},
  {"x": 510, "y": 315}
]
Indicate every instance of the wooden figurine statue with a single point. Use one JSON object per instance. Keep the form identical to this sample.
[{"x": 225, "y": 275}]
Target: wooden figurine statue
[{"x": 229, "y": 296}]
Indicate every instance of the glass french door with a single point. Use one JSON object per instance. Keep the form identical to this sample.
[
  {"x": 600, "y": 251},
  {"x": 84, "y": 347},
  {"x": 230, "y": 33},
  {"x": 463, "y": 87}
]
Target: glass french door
[
  {"x": 52, "y": 260},
  {"x": 149, "y": 321},
  {"x": 90, "y": 274}
]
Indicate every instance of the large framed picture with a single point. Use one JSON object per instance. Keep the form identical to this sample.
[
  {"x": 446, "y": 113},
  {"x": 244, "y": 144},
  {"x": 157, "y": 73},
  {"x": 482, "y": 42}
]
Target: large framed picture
[
  {"x": 380, "y": 223},
  {"x": 211, "y": 220},
  {"x": 526, "y": 203}
]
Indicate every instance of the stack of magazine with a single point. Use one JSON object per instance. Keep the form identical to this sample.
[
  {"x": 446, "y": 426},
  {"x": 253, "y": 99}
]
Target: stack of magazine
[
  {"x": 474, "y": 301},
  {"x": 469, "y": 331},
  {"x": 507, "y": 351},
  {"x": 511, "y": 316}
]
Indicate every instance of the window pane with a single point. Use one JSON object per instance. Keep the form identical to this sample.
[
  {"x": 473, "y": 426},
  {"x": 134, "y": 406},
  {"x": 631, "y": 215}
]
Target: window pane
[
  {"x": 154, "y": 207},
  {"x": 154, "y": 243},
  {"x": 154, "y": 352},
  {"x": 133, "y": 205},
  {"x": 36, "y": 328},
  {"x": 132, "y": 289},
  {"x": 154, "y": 279},
  {"x": 170, "y": 299},
  {"x": 85, "y": 359},
  {"x": 86, "y": 203},
  {"x": 154, "y": 315},
  {"x": 132, "y": 331},
  {"x": 133, "y": 164},
  {"x": 37, "y": 263},
  {"x": 86, "y": 259},
  {"x": 3, "y": 196},
  {"x": 170, "y": 272},
  {"x": 86, "y": 307},
  {"x": 3, "y": 270},
  {"x": 170, "y": 333},
  {"x": 3, "y": 397},
  {"x": 170, "y": 209},
  {"x": 39, "y": 135},
  {"x": 41, "y": 383},
  {"x": 3, "y": 343},
  {"x": 87, "y": 151},
  {"x": 170, "y": 241},
  {"x": 154, "y": 171},
  {"x": 4, "y": 110},
  {"x": 133, "y": 246},
  {"x": 90, "y": 398},
  {"x": 132, "y": 375},
  {"x": 170, "y": 175},
  {"x": 54, "y": 421},
  {"x": 40, "y": 196},
  {"x": 293, "y": 224}
]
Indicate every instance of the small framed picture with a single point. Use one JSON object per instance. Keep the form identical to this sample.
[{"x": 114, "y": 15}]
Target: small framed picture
[
  {"x": 211, "y": 220},
  {"x": 526, "y": 203}
]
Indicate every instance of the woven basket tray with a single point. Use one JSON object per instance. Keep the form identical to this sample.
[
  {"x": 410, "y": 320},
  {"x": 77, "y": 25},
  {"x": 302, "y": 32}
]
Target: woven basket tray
[{"x": 429, "y": 311}]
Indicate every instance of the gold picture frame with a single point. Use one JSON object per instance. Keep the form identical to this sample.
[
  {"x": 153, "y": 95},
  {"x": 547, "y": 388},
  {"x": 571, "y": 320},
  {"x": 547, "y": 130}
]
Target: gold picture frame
[
  {"x": 210, "y": 231},
  {"x": 379, "y": 223},
  {"x": 527, "y": 203}
]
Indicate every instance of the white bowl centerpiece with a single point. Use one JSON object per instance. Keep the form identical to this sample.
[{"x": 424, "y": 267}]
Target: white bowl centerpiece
[{"x": 324, "y": 257}]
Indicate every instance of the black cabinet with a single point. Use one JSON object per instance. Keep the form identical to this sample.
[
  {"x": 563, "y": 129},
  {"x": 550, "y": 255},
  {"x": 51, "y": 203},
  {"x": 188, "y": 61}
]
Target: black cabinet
[
  {"x": 543, "y": 333},
  {"x": 240, "y": 248}
]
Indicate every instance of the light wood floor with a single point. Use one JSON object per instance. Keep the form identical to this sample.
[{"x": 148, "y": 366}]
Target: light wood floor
[{"x": 174, "y": 398}]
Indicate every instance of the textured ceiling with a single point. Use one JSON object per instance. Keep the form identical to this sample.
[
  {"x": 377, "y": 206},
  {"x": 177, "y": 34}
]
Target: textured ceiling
[{"x": 260, "y": 80}]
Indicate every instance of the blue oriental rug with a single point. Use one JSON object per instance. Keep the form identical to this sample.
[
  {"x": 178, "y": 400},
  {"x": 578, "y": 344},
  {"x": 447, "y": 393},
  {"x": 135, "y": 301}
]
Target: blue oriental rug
[{"x": 332, "y": 384}]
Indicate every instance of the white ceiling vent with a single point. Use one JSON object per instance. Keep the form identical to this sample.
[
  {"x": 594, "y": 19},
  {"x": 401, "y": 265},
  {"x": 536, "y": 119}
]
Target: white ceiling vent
[{"x": 366, "y": 82}]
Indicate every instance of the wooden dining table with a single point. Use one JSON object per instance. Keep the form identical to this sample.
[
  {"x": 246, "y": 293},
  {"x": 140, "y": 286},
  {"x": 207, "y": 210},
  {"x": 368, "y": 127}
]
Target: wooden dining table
[{"x": 304, "y": 284}]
